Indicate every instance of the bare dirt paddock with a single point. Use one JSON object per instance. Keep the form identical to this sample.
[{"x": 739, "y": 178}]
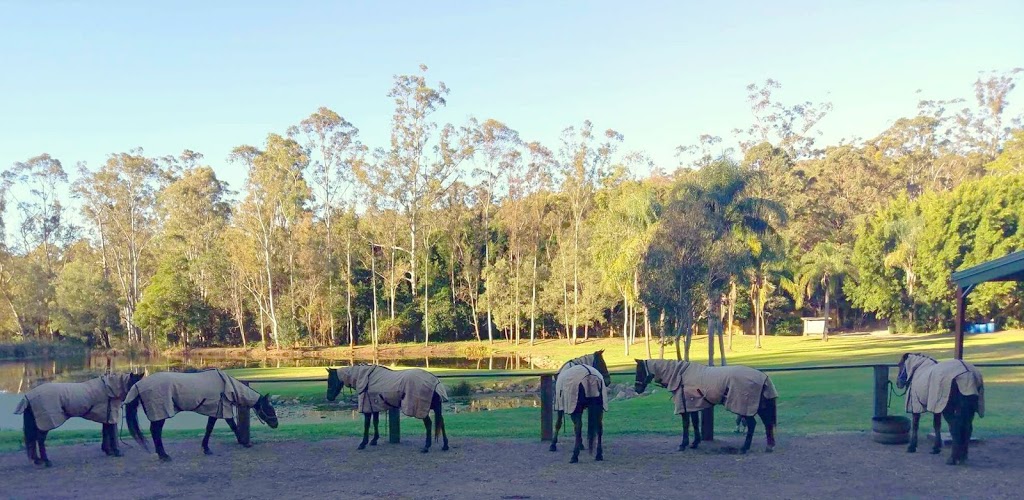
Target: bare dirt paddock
[{"x": 834, "y": 466}]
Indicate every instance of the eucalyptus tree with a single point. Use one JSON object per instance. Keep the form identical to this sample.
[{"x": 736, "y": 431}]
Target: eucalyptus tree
[
  {"x": 120, "y": 201},
  {"x": 85, "y": 302}
]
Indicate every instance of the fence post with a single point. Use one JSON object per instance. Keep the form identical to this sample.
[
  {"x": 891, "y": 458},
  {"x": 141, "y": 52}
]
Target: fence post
[
  {"x": 881, "y": 390},
  {"x": 243, "y": 422},
  {"x": 394, "y": 426},
  {"x": 547, "y": 407}
]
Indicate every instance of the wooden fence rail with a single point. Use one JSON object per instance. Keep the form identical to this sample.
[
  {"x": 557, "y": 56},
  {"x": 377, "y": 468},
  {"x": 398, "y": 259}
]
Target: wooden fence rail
[{"x": 547, "y": 390}]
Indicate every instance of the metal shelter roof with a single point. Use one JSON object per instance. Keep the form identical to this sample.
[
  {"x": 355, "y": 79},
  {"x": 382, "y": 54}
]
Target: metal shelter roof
[{"x": 1007, "y": 268}]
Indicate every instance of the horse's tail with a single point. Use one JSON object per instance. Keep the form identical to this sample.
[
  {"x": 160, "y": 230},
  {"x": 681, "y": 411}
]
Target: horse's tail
[
  {"x": 593, "y": 422},
  {"x": 31, "y": 432},
  {"x": 131, "y": 415},
  {"x": 769, "y": 415}
]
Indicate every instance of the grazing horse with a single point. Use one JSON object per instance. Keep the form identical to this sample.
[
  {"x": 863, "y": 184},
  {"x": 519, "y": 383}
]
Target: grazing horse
[
  {"x": 741, "y": 389},
  {"x": 582, "y": 383},
  {"x": 48, "y": 406},
  {"x": 209, "y": 392},
  {"x": 415, "y": 391},
  {"x": 952, "y": 389}
]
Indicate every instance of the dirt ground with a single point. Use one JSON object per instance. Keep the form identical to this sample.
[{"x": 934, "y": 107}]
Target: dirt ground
[{"x": 833, "y": 466}]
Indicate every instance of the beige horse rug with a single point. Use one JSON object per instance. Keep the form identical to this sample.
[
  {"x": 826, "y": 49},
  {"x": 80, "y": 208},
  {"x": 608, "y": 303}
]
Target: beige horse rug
[
  {"x": 98, "y": 400},
  {"x": 382, "y": 389},
  {"x": 697, "y": 387},
  {"x": 932, "y": 381},
  {"x": 569, "y": 381},
  {"x": 210, "y": 392}
]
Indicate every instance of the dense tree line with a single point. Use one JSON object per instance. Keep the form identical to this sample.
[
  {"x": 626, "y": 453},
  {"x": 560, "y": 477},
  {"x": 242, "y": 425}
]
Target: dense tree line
[{"x": 471, "y": 231}]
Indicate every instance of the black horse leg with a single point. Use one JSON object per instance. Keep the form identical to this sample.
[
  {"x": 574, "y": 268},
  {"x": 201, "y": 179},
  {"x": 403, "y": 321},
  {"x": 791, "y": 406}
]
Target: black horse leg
[
  {"x": 366, "y": 431},
  {"x": 42, "y": 448},
  {"x": 558, "y": 427},
  {"x": 937, "y": 423},
  {"x": 376, "y": 428},
  {"x": 426, "y": 445},
  {"x": 600, "y": 430},
  {"x": 968, "y": 419},
  {"x": 751, "y": 424},
  {"x": 686, "y": 433},
  {"x": 156, "y": 428},
  {"x": 210, "y": 422},
  {"x": 31, "y": 436},
  {"x": 577, "y": 424},
  {"x": 238, "y": 433},
  {"x": 915, "y": 419},
  {"x": 695, "y": 419},
  {"x": 954, "y": 431},
  {"x": 110, "y": 431},
  {"x": 105, "y": 446}
]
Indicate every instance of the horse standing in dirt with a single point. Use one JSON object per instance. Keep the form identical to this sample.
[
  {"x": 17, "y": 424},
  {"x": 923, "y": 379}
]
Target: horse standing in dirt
[
  {"x": 741, "y": 389},
  {"x": 952, "y": 389},
  {"x": 415, "y": 391},
  {"x": 210, "y": 392},
  {"x": 582, "y": 383},
  {"x": 50, "y": 405}
]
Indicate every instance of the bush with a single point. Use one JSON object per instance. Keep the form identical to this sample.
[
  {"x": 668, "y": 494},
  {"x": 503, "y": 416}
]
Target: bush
[
  {"x": 787, "y": 326},
  {"x": 460, "y": 390}
]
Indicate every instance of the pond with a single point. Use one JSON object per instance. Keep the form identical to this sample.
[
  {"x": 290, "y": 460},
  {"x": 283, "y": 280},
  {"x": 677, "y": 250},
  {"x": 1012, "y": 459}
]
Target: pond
[{"x": 18, "y": 377}]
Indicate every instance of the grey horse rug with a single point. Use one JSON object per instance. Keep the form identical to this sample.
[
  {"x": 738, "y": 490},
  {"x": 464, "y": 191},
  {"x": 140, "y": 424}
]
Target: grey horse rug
[
  {"x": 932, "y": 381},
  {"x": 382, "y": 389},
  {"x": 587, "y": 359},
  {"x": 696, "y": 387},
  {"x": 210, "y": 392},
  {"x": 98, "y": 400},
  {"x": 569, "y": 381}
]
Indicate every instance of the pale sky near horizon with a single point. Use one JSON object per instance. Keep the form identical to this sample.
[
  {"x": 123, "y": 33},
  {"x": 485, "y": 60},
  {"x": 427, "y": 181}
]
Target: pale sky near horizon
[{"x": 81, "y": 80}]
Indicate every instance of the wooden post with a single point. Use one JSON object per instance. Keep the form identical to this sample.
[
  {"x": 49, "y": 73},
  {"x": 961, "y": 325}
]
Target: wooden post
[
  {"x": 244, "y": 424},
  {"x": 881, "y": 390},
  {"x": 547, "y": 407},
  {"x": 707, "y": 424},
  {"x": 961, "y": 299},
  {"x": 394, "y": 426}
]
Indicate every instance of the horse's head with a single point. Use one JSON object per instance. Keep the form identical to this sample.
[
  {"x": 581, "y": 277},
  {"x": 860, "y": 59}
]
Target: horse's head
[
  {"x": 602, "y": 367},
  {"x": 902, "y": 379},
  {"x": 133, "y": 378},
  {"x": 334, "y": 384},
  {"x": 265, "y": 411},
  {"x": 643, "y": 376}
]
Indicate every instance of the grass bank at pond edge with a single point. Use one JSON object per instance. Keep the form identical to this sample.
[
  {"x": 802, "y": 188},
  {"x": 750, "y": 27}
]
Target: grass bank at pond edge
[{"x": 40, "y": 348}]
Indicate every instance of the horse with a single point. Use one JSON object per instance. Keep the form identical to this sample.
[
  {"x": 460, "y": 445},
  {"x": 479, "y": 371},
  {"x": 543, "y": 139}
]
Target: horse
[
  {"x": 415, "y": 391},
  {"x": 48, "y": 406},
  {"x": 742, "y": 390},
  {"x": 209, "y": 392},
  {"x": 952, "y": 389},
  {"x": 582, "y": 383}
]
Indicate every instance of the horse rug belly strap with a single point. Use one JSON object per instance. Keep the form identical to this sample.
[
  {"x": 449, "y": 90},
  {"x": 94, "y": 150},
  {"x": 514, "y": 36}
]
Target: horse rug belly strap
[
  {"x": 211, "y": 392},
  {"x": 569, "y": 381},
  {"x": 98, "y": 400}
]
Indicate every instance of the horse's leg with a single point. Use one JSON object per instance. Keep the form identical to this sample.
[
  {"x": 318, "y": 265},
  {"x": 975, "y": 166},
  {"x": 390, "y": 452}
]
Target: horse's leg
[
  {"x": 695, "y": 419},
  {"x": 937, "y": 424},
  {"x": 739, "y": 423},
  {"x": 105, "y": 446},
  {"x": 110, "y": 431},
  {"x": 558, "y": 427},
  {"x": 915, "y": 419},
  {"x": 767, "y": 411},
  {"x": 238, "y": 434},
  {"x": 156, "y": 428},
  {"x": 440, "y": 424},
  {"x": 426, "y": 423},
  {"x": 366, "y": 431},
  {"x": 954, "y": 431},
  {"x": 686, "y": 433},
  {"x": 971, "y": 407},
  {"x": 210, "y": 422},
  {"x": 577, "y": 424},
  {"x": 376, "y": 428},
  {"x": 31, "y": 435},
  {"x": 751, "y": 424},
  {"x": 599, "y": 408},
  {"x": 42, "y": 448}
]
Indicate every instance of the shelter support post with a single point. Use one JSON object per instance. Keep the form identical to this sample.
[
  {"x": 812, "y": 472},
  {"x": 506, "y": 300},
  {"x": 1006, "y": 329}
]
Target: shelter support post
[
  {"x": 547, "y": 407},
  {"x": 961, "y": 301},
  {"x": 244, "y": 427},
  {"x": 881, "y": 390},
  {"x": 394, "y": 426}
]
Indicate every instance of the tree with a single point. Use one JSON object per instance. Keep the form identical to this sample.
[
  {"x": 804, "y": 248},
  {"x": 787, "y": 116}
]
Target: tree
[
  {"x": 172, "y": 306},
  {"x": 85, "y": 301},
  {"x": 824, "y": 266}
]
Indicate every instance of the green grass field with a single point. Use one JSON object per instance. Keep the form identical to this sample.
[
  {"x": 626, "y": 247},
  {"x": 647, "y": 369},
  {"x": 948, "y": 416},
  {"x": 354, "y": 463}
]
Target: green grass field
[{"x": 810, "y": 402}]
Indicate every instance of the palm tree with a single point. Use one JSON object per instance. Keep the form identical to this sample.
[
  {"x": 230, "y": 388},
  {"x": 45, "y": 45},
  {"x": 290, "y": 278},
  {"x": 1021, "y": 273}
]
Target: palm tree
[
  {"x": 769, "y": 270},
  {"x": 824, "y": 265},
  {"x": 906, "y": 233}
]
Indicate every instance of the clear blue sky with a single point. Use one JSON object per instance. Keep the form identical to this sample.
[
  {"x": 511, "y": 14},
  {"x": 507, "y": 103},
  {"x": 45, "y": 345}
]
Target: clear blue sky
[{"x": 80, "y": 80}]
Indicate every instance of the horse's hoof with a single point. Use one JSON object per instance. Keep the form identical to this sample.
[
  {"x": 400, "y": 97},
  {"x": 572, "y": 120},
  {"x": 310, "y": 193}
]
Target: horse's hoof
[
  {"x": 574, "y": 460},
  {"x": 599, "y": 458},
  {"x": 769, "y": 449},
  {"x": 936, "y": 451},
  {"x": 743, "y": 451},
  {"x": 38, "y": 461},
  {"x": 206, "y": 451},
  {"x": 362, "y": 446},
  {"x": 425, "y": 450},
  {"x": 911, "y": 449},
  {"x": 47, "y": 463},
  {"x": 373, "y": 443},
  {"x": 951, "y": 461},
  {"x": 682, "y": 447},
  {"x": 553, "y": 447},
  {"x": 444, "y": 448},
  {"x": 116, "y": 453},
  {"x": 693, "y": 446},
  {"x": 247, "y": 445},
  {"x": 165, "y": 458}
]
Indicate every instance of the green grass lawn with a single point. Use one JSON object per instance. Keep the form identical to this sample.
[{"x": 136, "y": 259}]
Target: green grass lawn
[{"x": 812, "y": 402}]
